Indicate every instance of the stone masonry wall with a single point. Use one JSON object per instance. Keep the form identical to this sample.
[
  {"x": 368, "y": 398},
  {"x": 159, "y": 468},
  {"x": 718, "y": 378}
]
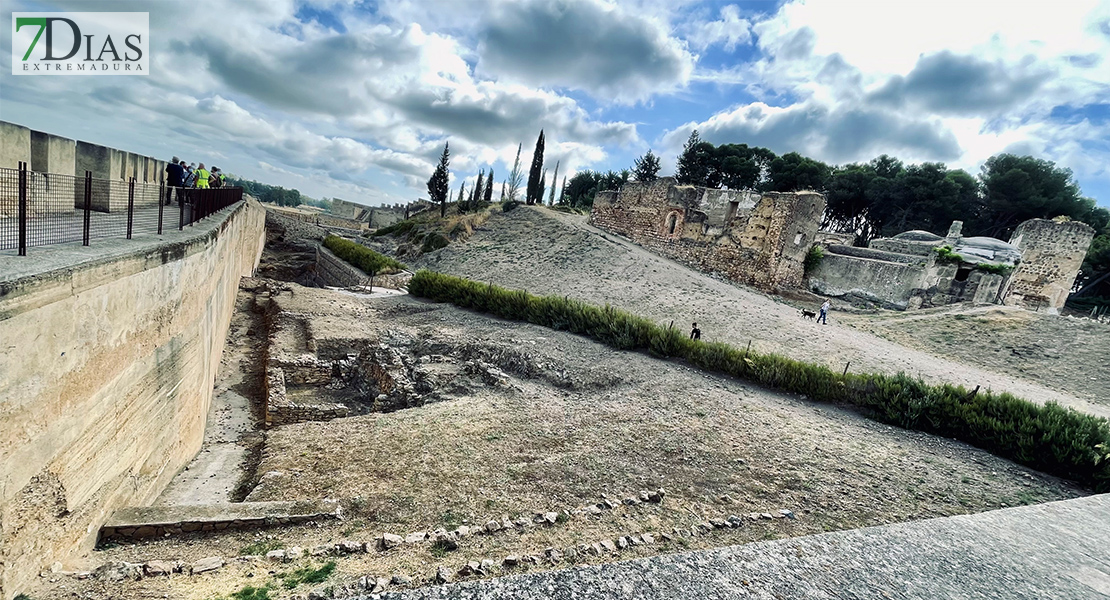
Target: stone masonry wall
[
  {"x": 757, "y": 240},
  {"x": 1051, "y": 254},
  {"x": 106, "y": 375}
]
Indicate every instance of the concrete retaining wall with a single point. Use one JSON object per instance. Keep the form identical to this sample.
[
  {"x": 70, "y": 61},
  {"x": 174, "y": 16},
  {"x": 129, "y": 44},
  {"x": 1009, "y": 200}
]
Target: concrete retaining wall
[{"x": 106, "y": 374}]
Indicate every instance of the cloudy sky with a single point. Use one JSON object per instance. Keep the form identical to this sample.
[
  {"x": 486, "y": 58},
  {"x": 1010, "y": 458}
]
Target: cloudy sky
[{"x": 355, "y": 98}]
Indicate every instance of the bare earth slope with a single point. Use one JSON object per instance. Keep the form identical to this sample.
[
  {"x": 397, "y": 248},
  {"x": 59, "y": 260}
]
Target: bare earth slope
[{"x": 547, "y": 252}]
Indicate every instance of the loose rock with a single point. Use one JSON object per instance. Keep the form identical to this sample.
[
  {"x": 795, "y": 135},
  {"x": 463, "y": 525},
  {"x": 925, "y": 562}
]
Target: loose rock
[
  {"x": 207, "y": 564},
  {"x": 389, "y": 540}
]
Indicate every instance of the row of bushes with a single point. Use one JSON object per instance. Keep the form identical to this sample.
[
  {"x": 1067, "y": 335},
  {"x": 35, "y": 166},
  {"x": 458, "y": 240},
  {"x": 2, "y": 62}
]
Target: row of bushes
[
  {"x": 1056, "y": 440},
  {"x": 362, "y": 257}
]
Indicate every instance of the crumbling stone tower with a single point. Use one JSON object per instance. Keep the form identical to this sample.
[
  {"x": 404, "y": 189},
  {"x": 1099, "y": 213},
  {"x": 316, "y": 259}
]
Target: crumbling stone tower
[{"x": 1051, "y": 254}]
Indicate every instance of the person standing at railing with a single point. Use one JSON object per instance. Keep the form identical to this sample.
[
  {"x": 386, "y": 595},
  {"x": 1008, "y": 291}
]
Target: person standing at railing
[
  {"x": 215, "y": 179},
  {"x": 175, "y": 178},
  {"x": 202, "y": 177}
]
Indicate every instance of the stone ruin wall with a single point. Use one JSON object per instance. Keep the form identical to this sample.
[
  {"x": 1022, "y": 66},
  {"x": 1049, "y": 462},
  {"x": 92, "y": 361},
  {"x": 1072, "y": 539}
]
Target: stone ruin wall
[
  {"x": 759, "y": 240},
  {"x": 1051, "y": 254}
]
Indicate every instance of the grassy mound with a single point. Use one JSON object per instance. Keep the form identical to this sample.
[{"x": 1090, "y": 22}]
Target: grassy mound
[{"x": 1059, "y": 441}]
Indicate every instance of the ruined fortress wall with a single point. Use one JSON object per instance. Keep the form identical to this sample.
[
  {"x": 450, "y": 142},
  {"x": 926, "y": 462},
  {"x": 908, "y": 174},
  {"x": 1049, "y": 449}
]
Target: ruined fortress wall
[
  {"x": 106, "y": 374},
  {"x": 1051, "y": 255},
  {"x": 756, "y": 240},
  {"x": 891, "y": 284}
]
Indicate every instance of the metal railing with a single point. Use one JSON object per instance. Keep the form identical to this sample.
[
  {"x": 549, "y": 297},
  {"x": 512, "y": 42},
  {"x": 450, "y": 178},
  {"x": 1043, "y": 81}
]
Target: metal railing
[{"x": 40, "y": 209}]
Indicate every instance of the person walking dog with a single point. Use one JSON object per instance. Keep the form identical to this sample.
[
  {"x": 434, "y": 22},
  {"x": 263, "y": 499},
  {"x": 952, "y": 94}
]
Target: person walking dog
[{"x": 823, "y": 318}]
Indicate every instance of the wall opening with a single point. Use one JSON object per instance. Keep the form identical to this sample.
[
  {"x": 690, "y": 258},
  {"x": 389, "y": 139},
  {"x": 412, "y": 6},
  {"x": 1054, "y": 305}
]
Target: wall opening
[
  {"x": 962, "y": 274},
  {"x": 733, "y": 208},
  {"x": 672, "y": 222}
]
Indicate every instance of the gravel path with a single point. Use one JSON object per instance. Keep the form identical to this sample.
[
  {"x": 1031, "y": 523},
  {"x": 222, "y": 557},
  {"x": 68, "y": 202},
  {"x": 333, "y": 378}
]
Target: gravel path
[
  {"x": 548, "y": 252},
  {"x": 1055, "y": 550}
]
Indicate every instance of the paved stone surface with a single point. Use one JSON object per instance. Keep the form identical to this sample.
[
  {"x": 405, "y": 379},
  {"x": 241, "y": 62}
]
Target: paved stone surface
[{"x": 1058, "y": 551}]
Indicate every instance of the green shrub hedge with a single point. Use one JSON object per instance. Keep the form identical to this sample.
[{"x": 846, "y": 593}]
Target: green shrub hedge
[
  {"x": 360, "y": 256},
  {"x": 1056, "y": 440}
]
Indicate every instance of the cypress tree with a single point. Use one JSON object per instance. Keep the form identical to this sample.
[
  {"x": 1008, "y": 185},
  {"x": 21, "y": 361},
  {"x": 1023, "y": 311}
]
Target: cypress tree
[
  {"x": 535, "y": 174},
  {"x": 554, "y": 180},
  {"x": 438, "y": 185},
  {"x": 476, "y": 198},
  {"x": 489, "y": 188},
  {"x": 541, "y": 187}
]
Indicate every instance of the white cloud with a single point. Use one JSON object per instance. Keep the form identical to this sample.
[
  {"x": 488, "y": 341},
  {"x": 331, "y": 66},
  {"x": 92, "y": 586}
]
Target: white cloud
[{"x": 730, "y": 31}]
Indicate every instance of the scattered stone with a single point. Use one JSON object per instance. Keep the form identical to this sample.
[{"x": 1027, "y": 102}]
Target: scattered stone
[
  {"x": 320, "y": 550},
  {"x": 462, "y": 532},
  {"x": 657, "y": 496},
  {"x": 705, "y": 527},
  {"x": 506, "y": 522},
  {"x": 622, "y": 542},
  {"x": 469, "y": 568},
  {"x": 493, "y": 526},
  {"x": 595, "y": 549},
  {"x": 389, "y": 540},
  {"x": 631, "y": 501},
  {"x": 400, "y": 580},
  {"x": 296, "y": 552},
  {"x": 583, "y": 549},
  {"x": 318, "y": 595},
  {"x": 593, "y": 509},
  {"x": 635, "y": 540},
  {"x": 608, "y": 546},
  {"x": 443, "y": 575},
  {"x": 611, "y": 504},
  {"x": 551, "y": 517},
  {"x": 155, "y": 568},
  {"x": 276, "y": 556},
  {"x": 486, "y": 565},
  {"x": 766, "y": 516},
  {"x": 207, "y": 564},
  {"x": 735, "y": 521},
  {"x": 644, "y": 496},
  {"x": 416, "y": 537},
  {"x": 511, "y": 560},
  {"x": 666, "y": 537},
  {"x": 571, "y": 554},
  {"x": 553, "y": 555},
  {"x": 119, "y": 570},
  {"x": 788, "y": 514},
  {"x": 753, "y": 516},
  {"x": 379, "y": 585},
  {"x": 718, "y": 523},
  {"x": 650, "y": 539}
]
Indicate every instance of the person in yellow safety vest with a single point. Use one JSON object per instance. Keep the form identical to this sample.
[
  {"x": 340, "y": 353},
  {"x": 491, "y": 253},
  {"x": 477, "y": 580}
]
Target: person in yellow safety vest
[{"x": 202, "y": 177}]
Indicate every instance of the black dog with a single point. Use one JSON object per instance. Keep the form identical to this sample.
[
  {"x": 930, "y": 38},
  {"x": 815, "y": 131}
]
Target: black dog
[{"x": 808, "y": 314}]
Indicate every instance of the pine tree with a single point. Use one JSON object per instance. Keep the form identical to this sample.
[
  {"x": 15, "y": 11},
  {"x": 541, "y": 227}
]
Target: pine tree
[
  {"x": 554, "y": 180},
  {"x": 647, "y": 167},
  {"x": 532, "y": 194},
  {"x": 515, "y": 177},
  {"x": 489, "y": 189},
  {"x": 438, "y": 183}
]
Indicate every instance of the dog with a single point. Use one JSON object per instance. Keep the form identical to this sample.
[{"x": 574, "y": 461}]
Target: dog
[{"x": 808, "y": 314}]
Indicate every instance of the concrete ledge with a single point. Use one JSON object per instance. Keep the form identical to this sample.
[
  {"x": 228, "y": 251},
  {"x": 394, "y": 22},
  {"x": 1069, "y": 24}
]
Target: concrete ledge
[{"x": 130, "y": 524}]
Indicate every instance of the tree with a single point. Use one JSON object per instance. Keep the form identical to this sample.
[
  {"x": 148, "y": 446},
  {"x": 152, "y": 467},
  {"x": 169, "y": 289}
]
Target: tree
[
  {"x": 515, "y": 177},
  {"x": 646, "y": 168},
  {"x": 478, "y": 191},
  {"x": 438, "y": 183},
  {"x": 535, "y": 174},
  {"x": 696, "y": 164},
  {"x": 489, "y": 190},
  {"x": 541, "y": 187},
  {"x": 502, "y": 192},
  {"x": 462, "y": 188},
  {"x": 793, "y": 172},
  {"x": 1019, "y": 188},
  {"x": 554, "y": 180},
  {"x": 563, "y": 191}
]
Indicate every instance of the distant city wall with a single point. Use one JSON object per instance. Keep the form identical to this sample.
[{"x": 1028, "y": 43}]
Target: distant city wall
[
  {"x": 46, "y": 153},
  {"x": 106, "y": 375},
  {"x": 1052, "y": 253}
]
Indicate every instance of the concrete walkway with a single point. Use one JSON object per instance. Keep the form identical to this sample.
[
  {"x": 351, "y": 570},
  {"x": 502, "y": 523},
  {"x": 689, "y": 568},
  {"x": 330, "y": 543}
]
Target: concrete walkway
[{"x": 1057, "y": 551}]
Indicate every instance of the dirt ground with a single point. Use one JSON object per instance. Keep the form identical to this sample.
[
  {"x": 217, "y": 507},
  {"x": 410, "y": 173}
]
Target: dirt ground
[
  {"x": 1038, "y": 357},
  {"x": 571, "y": 422}
]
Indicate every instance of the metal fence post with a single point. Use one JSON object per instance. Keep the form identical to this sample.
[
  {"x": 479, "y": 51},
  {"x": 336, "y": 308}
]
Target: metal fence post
[
  {"x": 181, "y": 205},
  {"x": 130, "y": 204},
  {"x": 88, "y": 208},
  {"x": 161, "y": 204},
  {"x": 22, "y": 208}
]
